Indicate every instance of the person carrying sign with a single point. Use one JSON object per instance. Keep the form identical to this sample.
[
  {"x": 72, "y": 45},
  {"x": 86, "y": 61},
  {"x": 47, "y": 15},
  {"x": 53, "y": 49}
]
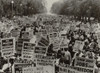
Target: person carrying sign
[
  {"x": 77, "y": 54},
  {"x": 67, "y": 56}
]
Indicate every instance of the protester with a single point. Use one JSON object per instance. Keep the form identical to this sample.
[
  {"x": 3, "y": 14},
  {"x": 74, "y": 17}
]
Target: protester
[{"x": 67, "y": 56}]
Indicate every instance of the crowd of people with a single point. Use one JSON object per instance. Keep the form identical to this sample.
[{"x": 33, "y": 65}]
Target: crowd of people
[{"x": 74, "y": 31}]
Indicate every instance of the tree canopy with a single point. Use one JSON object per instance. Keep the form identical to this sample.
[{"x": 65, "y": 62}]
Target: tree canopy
[
  {"x": 79, "y": 9},
  {"x": 21, "y": 7}
]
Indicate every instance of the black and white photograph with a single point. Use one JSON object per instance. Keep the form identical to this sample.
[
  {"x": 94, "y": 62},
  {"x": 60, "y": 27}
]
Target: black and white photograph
[{"x": 49, "y": 36}]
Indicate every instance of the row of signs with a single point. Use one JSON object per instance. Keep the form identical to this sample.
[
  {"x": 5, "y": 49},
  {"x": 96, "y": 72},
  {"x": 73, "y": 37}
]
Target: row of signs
[{"x": 26, "y": 49}]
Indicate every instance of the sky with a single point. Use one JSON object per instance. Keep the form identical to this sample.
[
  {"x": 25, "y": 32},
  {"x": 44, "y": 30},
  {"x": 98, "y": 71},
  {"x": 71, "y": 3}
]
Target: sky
[{"x": 49, "y": 4}]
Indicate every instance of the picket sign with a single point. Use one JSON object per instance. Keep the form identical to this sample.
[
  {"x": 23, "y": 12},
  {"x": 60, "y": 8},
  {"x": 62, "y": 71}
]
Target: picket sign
[
  {"x": 83, "y": 62},
  {"x": 28, "y": 50},
  {"x": 19, "y": 45},
  {"x": 56, "y": 43},
  {"x": 8, "y": 47},
  {"x": 73, "y": 69},
  {"x": 68, "y": 70},
  {"x": 44, "y": 60},
  {"x": 41, "y": 50},
  {"x": 20, "y": 64},
  {"x": 55, "y": 40},
  {"x": 78, "y": 45},
  {"x": 64, "y": 43},
  {"x": 47, "y": 62},
  {"x": 18, "y": 68},
  {"x": 38, "y": 69},
  {"x": 33, "y": 70},
  {"x": 42, "y": 41},
  {"x": 49, "y": 69}
]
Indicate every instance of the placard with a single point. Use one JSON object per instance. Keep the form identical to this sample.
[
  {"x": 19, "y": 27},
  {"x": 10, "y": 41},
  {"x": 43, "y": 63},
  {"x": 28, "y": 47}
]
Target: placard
[
  {"x": 72, "y": 69},
  {"x": 33, "y": 70},
  {"x": 78, "y": 45},
  {"x": 20, "y": 64},
  {"x": 18, "y": 68},
  {"x": 64, "y": 42},
  {"x": 28, "y": 50},
  {"x": 43, "y": 41},
  {"x": 8, "y": 47},
  {"x": 83, "y": 62},
  {"x": 44, "y": 60},
  {"x": 67, "y": 70},
  {"x": 80, "y": 69},
  {"x": 40, "y": 50},
  {"x": 49, "y": 69},
  {"x": 19, "y": 45}
]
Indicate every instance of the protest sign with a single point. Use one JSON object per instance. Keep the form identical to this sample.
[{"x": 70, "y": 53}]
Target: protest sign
[
  {"x": 56, "y": 43},
  {"x": 18, "y": 68},
  {"x": 47, "y": 62},
  {"x": 42, "y": 41},
  {"x": 72, "y": 69},
  {"x": 8, "y": 47},
  {"x": 49, "y": 69},
  {"x": 20, "y": 64},
  {"x": 68, "y": 70},
  {"x": 40, "y": 50},
  {"x": 27, "y": 70},
  {"x": 19, "y": 45},
  {"x": 44, "y": 60},
  {"x": 38, "y": 69},
  {"x": 78, "y": 46},
  {"x": 83, "y": 62},
  {"x": 64, "y": 42},
  {"x": 27, "y": 62},
  {"x": 80, "y": 69},
  {"x": 43, "y": 57},
  {"x": 33, "y": 70},
  {"x": 28, "y": 50}
]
